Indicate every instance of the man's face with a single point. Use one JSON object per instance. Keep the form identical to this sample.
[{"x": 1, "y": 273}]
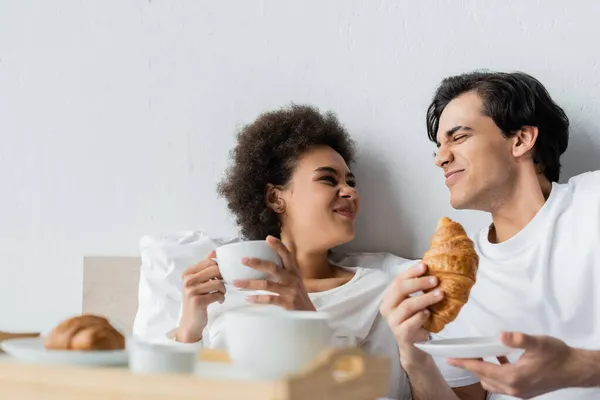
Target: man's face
[{"x": 476, "y": 158}]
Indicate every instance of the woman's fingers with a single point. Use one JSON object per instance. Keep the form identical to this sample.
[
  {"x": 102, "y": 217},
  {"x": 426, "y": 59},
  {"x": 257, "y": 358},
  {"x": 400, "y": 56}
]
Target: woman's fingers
[
  {"x": 206, "y": 299},
  {"x": 262, "y": 265},
  {"x": 210, "y": 273},
  {"x": 202, "y": 265},
  {"x": 260, "y": 284},
  {"x": 207, "y": 287},
  {"x": 286, "y": 256}
]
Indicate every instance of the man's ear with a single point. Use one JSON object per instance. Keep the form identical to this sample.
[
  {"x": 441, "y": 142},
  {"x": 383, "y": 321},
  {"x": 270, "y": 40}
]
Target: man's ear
[
  {"x": 274, "y": 199},
  {"x": 524, "y": 141}
]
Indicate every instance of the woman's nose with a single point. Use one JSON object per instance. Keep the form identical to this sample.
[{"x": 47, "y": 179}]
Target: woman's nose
[{"x": 348, "y": 192}]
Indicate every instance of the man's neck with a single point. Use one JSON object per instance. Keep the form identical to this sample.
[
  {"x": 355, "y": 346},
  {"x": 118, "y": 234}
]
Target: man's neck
[{"x": 519, "y": 205}]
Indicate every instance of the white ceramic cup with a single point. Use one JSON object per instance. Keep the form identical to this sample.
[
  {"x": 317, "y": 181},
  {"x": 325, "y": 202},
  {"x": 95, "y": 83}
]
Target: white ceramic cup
[
  {"x": 153, "y": 358},
  {"x": 269, "y": 344},
  {"x": 229, "y": 258}
]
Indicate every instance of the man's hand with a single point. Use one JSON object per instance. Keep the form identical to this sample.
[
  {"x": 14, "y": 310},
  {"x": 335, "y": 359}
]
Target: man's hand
[
  {"x": 405, "y": 314},
  {"x": 548, "y": 364}
]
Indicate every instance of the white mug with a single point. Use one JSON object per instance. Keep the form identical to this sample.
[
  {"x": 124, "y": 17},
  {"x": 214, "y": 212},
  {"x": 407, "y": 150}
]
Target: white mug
[
  {"x": 269, "y": 344},
  {"x": 229, "y": 259}
]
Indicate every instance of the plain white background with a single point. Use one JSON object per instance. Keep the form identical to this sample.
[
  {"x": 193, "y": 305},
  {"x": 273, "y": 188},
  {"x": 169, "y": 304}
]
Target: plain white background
[{"x": 116, "y": 117}]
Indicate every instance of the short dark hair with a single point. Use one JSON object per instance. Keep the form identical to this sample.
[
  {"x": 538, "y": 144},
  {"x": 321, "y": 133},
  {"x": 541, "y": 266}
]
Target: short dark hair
[
  {"x": 266, "y": 152},
  {"x": 512, "y": 100}
]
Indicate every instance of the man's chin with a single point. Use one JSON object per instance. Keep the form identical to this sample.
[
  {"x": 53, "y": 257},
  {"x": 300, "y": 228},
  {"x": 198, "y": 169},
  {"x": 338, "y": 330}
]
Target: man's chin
[{"x": 458, "y": 203}]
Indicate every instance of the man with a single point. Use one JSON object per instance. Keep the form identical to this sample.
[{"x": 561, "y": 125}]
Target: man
[{"x": 500, "y": 137}]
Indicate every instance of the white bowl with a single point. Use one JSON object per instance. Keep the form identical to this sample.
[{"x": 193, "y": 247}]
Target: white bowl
[
  {"x": 154, "y": 358},
  {"x": 270, "y": 344}
]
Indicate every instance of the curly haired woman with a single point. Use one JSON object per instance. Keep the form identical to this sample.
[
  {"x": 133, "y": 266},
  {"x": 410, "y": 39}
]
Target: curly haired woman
[{"x": 290, "y": 182}]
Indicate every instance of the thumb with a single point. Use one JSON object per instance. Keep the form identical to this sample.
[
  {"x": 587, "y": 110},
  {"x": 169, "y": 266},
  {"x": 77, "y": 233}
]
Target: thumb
[
  {"x": 212, "y": 254},
  {"x": 281, "y": 249},
  {"x": 519, "y": 340}
]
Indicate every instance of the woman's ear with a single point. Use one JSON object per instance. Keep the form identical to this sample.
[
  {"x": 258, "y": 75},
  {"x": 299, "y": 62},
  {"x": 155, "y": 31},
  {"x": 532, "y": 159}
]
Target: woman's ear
[
  {"x": 274, "y": 199},
  {"x": 524, "y": 141}
]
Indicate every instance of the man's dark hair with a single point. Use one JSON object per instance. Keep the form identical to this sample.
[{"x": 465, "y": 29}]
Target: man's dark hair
[
  {"x": 267, "y": 151},
  {"x": 512, "y": 100}
]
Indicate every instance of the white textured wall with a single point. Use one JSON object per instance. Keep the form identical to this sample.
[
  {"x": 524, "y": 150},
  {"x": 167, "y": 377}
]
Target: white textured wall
[{"x": 116, "y": 117}]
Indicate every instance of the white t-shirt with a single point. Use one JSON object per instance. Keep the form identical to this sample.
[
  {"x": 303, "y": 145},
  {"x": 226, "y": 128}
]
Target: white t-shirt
[
  {"x": 542, "y": 281},
  {"x": 353, "y": 307}
]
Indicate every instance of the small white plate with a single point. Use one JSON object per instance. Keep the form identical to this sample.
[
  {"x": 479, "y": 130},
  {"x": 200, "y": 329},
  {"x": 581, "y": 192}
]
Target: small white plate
[
  {"x": 475, "y": 347},
  {"x": 33, "y": 350}
]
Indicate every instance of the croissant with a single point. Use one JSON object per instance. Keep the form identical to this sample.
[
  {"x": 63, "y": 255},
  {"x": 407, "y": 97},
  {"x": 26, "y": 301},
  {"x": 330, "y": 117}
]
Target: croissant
[
  {"x": 85, "y": 332},
  {"x": 453, "y": 260}
]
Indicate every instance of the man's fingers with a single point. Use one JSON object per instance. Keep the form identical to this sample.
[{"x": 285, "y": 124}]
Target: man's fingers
[
  {"x": 519, "y": 340},
  {"x": 503, "y": 360},
  {"x": 391, "y": 298},
  {"x": 492, "y": 376},
  {"x": 412, "y": 272},
  {"x": 491, "y": 386},
  {"x": 415, "y": 285},
  {"x": 405, "y": 284},
  {"x": 411, "y": 328},
  {"x": 482, "y": 369},
  {"x": 415, "y": 304}
]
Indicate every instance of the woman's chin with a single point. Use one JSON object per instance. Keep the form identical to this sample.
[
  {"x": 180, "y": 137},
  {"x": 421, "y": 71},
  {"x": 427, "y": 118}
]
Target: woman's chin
[{"x": 343, "y": 237}]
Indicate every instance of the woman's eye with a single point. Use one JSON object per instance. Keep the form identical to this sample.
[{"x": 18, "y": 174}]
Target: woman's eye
[
  {"x": 351, "y": 184},
  {"x": 330, "y": 179},
  {"x": 459, "y": 137}
]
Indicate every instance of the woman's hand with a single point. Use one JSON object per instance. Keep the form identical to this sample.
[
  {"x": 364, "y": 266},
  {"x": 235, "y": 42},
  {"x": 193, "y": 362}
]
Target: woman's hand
[
  {"x": 202, "y": 285},
  {"x": 288, "y": 283}
]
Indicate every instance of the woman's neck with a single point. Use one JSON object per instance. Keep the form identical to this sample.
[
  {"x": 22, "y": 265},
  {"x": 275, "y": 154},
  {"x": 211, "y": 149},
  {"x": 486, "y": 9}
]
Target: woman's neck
[
  {"x": 312, "y": 264},
  {"x": 318, "y": 274}
]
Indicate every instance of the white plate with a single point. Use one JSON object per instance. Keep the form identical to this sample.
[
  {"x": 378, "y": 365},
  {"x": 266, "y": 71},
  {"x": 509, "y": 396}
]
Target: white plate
[
  {"x": 476, "y": 347},
  {"x": 33, "y": 350}
]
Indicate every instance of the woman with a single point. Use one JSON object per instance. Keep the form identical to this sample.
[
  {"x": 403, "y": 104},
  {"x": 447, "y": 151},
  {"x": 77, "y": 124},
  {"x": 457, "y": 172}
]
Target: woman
[{"x": 290, "y": 182}]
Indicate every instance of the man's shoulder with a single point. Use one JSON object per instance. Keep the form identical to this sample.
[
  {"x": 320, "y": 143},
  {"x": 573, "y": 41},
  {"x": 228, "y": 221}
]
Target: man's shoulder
[
  {"x": 588, "y": 182},
  {"x": 476, "y": 235}
]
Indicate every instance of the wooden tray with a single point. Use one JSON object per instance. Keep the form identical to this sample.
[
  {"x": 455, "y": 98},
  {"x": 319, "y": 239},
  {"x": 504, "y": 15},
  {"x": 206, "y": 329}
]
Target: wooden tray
[
  {"x": 15, "y": 335},
  {"x": 348, "y": 374}
]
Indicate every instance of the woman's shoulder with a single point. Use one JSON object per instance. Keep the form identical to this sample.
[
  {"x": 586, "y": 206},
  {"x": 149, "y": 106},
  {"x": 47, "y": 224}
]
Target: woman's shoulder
[{"x": 387, "y": 263}]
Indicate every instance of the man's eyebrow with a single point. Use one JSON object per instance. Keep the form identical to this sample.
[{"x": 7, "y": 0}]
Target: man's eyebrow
[{"x": 452, "y": 131}]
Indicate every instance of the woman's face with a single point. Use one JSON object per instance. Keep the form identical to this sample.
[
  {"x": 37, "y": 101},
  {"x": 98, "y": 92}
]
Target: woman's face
[{"x": 319, "y": 205}]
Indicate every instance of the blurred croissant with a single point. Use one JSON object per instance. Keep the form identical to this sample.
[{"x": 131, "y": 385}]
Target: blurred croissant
[
  {"x": 85, "y": 332},
  {"x": 453, "y": 260}
]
